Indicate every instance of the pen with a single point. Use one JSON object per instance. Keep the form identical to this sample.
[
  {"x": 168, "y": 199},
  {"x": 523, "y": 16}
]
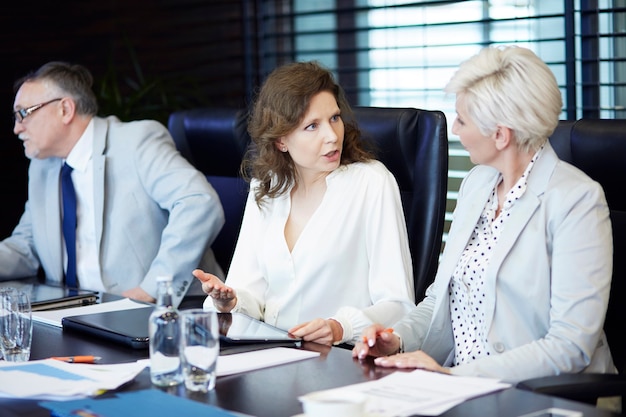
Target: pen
[
  {"x": 387, "y": 330},
  {"x": 77, "y": 359}
]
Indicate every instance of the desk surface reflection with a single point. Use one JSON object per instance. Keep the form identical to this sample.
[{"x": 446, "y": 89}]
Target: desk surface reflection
[{"x": 272, "y": 392}]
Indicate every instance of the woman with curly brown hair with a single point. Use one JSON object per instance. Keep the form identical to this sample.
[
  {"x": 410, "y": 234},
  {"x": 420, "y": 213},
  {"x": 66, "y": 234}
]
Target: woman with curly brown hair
[{"x": 323, "y": 233}]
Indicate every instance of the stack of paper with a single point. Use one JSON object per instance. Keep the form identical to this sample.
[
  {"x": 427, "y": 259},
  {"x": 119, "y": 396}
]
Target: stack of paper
[
  {"x": 58, "y": 380},
  {"x": 55, "y": 317},
  {"x": 420, "y": 392}
]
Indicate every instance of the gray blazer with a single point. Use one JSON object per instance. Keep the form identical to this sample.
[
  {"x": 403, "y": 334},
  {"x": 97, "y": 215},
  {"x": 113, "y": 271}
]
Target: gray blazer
[
  {"x": 547, "y": 284},
  {"x": 155, "y": 213}
]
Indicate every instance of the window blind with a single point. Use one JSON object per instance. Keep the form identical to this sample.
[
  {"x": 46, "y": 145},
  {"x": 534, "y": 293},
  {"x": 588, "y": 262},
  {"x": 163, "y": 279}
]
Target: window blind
[{"x": 398, "y": 53}]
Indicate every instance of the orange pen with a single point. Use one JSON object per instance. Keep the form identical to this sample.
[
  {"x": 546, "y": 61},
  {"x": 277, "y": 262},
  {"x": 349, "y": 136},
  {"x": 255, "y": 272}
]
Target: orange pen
[
  {"x": 387, "y": 330},
  {"x": 77, "y": 359}
]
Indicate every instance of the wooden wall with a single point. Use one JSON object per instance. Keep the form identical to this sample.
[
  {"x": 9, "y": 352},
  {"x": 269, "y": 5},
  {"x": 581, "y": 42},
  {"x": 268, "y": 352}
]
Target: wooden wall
[{"x": 193, "y": 48}]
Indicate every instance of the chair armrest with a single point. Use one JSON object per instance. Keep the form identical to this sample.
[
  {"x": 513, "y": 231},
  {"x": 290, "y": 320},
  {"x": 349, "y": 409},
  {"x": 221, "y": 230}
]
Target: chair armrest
[{"x": 585, "y": 387}]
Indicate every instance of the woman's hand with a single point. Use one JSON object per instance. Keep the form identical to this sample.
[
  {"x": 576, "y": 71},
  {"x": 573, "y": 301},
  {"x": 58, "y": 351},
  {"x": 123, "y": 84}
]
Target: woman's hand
[
  {"x": 417, "y": 359},
  {"x": 376, "y": 341},
  {"x": 321, "y": 331},
  {"x": 224, "y": 297}
]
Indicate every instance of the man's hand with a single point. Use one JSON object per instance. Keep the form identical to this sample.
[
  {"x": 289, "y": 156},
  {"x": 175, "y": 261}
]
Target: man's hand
[{"x": 138, "y": 294}]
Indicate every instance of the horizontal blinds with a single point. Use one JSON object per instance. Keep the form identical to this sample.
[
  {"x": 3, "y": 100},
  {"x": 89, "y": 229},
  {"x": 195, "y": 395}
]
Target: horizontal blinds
[{"x": 401, "y": 53}]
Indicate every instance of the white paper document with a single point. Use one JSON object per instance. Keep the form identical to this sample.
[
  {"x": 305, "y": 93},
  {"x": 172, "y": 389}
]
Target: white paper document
[
  {"x": 257, "y": 359},
  {"x": 54, "y": 317},
  {"x": 420, "y": 392},
  {"x": 57, "y": 380}
]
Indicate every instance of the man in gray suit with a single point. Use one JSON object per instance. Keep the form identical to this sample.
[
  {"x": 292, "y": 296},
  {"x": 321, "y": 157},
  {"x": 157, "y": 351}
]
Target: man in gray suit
[{"x": 142, "y": 210}]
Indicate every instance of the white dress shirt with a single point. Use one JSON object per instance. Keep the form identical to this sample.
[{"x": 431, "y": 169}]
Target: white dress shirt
[
  {"x": 351, "y": 261},
  {"x": 87, "y": 260}
]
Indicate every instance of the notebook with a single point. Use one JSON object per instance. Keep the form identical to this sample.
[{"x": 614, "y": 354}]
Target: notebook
[
  {"x": 51, "y": 297},
  {"x": 130, "y": 328}
]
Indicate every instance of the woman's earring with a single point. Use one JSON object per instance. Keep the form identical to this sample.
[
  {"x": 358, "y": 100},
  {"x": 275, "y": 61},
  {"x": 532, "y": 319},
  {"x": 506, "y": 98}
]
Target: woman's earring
[{"x": 284, "y": 149}]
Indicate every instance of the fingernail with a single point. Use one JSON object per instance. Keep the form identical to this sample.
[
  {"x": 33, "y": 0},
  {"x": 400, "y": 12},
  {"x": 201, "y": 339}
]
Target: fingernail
[{"x": 370, "y": 342}]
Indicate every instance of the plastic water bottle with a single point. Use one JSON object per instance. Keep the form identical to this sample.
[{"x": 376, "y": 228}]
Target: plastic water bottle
[{"x": 165, "y": 368}]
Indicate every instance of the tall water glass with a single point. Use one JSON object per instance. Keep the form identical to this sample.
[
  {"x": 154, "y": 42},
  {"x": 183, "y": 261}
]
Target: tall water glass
[
  {"x": 200, "y": 347},
  {"x": 16, "y": 326}
]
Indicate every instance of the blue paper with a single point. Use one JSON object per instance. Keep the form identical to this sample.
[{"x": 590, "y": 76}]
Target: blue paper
[
  {"x": 47, "y": 370},
  {"x": 144, "y": 403}
]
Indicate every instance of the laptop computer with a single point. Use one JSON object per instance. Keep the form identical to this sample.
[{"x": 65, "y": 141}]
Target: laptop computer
[
  {"x": 126, "y": 327},
  {"x": 130, "y": 328},
  {"x": 51, "y": 297}
]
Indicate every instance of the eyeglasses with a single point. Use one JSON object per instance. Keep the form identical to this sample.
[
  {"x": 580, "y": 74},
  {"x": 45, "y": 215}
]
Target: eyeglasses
[{"x": 21, "y": 114}]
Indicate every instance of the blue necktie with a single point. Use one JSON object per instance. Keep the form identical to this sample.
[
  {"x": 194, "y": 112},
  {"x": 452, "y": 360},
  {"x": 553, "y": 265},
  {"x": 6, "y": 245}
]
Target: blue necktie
[{"x": 69, "y": 223}]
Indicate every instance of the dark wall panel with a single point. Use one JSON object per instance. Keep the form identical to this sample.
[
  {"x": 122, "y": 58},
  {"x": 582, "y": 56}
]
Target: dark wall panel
[{"x": 193, "y": 50}]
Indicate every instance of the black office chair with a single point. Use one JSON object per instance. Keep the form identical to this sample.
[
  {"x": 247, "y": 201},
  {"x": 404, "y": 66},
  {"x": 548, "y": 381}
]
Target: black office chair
[
  {"x": 412, "y": 143},
  {"x": 214, "y": 141},
  {"x": 598, "y": 147}
]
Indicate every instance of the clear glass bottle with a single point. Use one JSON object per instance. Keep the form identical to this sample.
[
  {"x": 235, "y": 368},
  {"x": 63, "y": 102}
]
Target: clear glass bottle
[{"x": 165, "y": 369}]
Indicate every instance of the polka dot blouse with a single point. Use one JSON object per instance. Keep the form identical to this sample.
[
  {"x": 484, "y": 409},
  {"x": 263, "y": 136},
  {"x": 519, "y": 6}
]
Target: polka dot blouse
[{"x": 467, "y": 286}]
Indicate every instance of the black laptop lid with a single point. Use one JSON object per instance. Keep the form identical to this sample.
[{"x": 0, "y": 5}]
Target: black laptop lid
[{"x": 130, "y": 327}]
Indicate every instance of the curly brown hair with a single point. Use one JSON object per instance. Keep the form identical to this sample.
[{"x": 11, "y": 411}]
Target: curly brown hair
[{"x": 279, "y": 108}]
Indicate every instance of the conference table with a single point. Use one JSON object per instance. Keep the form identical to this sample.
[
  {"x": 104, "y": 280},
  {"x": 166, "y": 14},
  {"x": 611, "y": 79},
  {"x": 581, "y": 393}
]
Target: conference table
[{"x": 273, "y": 391}]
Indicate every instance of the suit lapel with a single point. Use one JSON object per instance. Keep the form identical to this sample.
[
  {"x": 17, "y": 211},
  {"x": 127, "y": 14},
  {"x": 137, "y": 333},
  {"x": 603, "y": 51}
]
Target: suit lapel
[
  {"x": 442, "y": 348},
  {"x": 99, "y": 163},
  {"x": 522, "y": 213},
  {"x": 463, "y": 225},
  {"x": 52, "y": 210},
  {"x": 524, "y": 208}
]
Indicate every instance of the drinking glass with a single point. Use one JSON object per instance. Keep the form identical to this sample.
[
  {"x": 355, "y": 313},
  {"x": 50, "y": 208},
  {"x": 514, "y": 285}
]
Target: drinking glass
[
  {"x": 200, "y": 347},
  {"x": 16, "y": 326}
]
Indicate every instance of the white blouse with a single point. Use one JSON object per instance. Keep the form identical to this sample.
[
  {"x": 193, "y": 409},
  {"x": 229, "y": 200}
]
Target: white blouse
[{"x": 351, "y": 261}]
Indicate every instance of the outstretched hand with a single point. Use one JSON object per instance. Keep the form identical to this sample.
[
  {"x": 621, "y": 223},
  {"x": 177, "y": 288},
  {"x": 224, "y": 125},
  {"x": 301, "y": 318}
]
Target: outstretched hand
[{"x": 224, "y": 297}]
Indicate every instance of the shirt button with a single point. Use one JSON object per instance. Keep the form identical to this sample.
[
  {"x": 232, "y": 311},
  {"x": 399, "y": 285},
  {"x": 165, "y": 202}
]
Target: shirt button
[{"x": 498, "y": 347}]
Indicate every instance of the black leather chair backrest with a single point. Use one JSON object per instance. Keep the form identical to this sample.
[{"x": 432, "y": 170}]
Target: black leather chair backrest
[
  {"x": 412, "y": 143},
  {"x": 214, "y": 141},
  {"x": 598, "y": 147}
]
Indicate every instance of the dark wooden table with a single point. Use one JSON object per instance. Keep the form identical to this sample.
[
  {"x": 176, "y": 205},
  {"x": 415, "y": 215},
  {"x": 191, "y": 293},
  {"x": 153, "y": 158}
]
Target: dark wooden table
[{"x": 271, "y": 392}]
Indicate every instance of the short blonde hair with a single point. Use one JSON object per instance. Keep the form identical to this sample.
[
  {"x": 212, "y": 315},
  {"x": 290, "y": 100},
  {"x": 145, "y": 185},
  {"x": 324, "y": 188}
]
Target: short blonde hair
[{"x": 510, "y": 86}]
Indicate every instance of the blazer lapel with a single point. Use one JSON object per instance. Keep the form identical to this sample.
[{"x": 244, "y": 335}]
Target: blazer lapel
[
  {"x": 442, "y": 348},
  {"x": 99, "y": 163},
  {"x": 522, "y": 213},
  {"x": 463, "y": 225}
]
